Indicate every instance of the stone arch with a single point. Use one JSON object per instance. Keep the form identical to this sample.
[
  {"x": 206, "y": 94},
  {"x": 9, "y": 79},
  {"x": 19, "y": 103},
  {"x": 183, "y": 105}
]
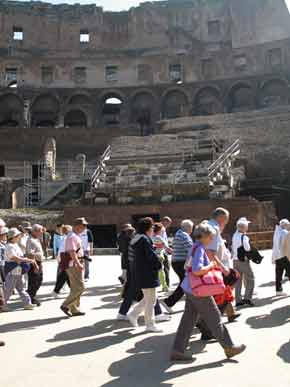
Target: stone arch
[
  {"x": 174, "y": 104},
  {"x": 143, "y": 110},
  {"x": 44, "y": 111},
  {"x": 80, "y": 99},
  {"x": 208, "y": 101},
  {"x": 241, "y": 97},
  {"x": 75, "y": 118},
  {"x": 11, "y": 110},
  {"x": 274, "y": 92},
  {"x": 49, "y": 157},
  {"x": 112, "y": 108}
]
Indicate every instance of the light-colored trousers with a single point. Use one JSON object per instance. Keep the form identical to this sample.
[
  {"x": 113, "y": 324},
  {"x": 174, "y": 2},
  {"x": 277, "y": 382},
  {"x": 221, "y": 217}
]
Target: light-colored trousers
[
  {"x": 146, "y": 305},
  {"x": 77, "y": 288},
  {"x": 12, "y": 282},
  {"x": 247, "y": 278}
]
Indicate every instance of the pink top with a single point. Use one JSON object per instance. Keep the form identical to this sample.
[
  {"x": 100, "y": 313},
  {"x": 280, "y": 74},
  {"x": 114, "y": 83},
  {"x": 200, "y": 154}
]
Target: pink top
[{"x": 74, "y": 243}]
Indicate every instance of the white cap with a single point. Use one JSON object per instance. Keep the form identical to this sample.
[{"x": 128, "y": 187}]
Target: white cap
[
  {"x": 243, "y": 222},
  {"x": 284, "y": 222},
  {"x": 3, "y": 230},
  {"x": 2, "y": 223}
]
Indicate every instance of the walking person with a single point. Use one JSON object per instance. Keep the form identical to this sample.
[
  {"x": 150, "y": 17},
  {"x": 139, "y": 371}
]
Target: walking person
[
  {"x": 167, "y": 222},
  {"x": 2, "y": 303},
  {"x": 57, "y": 239},
  {"x": 243, "y": 266},
  {"x": 204, "y": 307},
  {"x": 131, "y": 291},
  {"x": 35, "y": 252},
  {"x": 62, "y": 276},
  {"x": 146, "y": 268},
  {"x": 45, "y": 241},
  {"x": 73, "y": 257},
  {"x": 25, "y": 229},
  {"x": 182, "y": 245},
  {"x": 3, "y": 241},
  {"x": 280, "y": 253},
  {"x": 15, "y": 266},
  {"x": 123, "y": 241},
  {"x": 88, "y": 246},
  {"x": 160, "y": 248}
]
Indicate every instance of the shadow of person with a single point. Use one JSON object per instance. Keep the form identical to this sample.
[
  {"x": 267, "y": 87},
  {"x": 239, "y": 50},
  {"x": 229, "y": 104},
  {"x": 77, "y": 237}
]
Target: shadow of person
[
  {"x": 30, "y": 324},
  {"x": 149, "y": 365},
  {"x": 284, "y": 352},
  {"x": 276, "y": 318},
  {"x": 94, "y": 291},
  {"x": 97, "y": 329},
  {"x": 268, "y": 301},
  {"x": 109, "y": 302},
  {"x": 87, "y": 346}
]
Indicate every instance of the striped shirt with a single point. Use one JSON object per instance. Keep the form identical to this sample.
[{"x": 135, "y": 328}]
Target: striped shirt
[{"x": 182, "y": 246}]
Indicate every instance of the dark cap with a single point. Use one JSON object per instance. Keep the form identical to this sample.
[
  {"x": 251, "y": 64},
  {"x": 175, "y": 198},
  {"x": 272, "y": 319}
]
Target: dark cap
[{"x": 80, "y": 222}]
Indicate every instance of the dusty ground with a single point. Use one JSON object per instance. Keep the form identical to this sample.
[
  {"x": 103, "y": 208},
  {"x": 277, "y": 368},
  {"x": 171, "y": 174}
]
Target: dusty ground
[{"x": 46, "y": 349}]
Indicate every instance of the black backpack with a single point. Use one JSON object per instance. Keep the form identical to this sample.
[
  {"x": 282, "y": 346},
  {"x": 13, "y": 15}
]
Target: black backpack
[{"x": 252, "y": 255}]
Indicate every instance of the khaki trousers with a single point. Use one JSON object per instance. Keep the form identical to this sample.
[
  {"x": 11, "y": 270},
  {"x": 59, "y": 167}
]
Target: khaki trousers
[
  {"x": 77, "y": 288},
  {"x": 146, "y": 305}
]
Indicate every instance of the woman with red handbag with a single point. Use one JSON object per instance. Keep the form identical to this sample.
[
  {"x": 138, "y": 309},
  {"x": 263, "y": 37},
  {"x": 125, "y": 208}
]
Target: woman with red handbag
[{"x": 201, "y": 282}]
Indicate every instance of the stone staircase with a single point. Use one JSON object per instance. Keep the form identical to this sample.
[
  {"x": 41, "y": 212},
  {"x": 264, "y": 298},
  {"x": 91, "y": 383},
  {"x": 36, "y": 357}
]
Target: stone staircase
[{"x": 162, "y": 168}]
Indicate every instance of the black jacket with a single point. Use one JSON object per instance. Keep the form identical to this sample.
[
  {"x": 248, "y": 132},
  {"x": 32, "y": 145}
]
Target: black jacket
[
  {"x": 123, "y": 243},
  {"x": 146, "y": 263}
]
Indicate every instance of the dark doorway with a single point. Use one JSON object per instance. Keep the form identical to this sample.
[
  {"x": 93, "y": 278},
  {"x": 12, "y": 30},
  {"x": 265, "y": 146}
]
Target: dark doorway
[
  {"x": 2, "y": 170},
  {"x": 35, "y": 171},
  {"x": 135, "y": 218},
  {"x": 105, "y": 236}
]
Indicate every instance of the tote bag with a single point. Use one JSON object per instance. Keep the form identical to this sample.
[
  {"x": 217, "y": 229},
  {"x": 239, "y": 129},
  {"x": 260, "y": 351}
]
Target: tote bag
[{"x": 210, "y": 284}]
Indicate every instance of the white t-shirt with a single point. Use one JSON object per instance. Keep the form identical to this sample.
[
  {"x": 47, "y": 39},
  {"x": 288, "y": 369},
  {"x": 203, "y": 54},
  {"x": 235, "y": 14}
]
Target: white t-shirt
[
  {"x": 237, "y": 242},
  {"x": 23, "y": 242},
  {"x": 13, "y": 250}
]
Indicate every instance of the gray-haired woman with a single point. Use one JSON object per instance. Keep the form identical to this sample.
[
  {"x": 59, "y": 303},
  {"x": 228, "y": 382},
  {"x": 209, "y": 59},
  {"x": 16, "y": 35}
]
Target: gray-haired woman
[{"x": 204, "y": 307}]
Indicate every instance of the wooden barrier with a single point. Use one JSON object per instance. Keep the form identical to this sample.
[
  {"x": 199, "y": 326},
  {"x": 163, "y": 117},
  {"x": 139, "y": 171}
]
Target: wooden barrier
[{"x": 262, "y": 240}]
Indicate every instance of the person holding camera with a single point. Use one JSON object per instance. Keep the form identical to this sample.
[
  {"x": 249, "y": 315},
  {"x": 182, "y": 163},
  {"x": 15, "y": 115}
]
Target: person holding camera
[{"x": 242, "y": 264}]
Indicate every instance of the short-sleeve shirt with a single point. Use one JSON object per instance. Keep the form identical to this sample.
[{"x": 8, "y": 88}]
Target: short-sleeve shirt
[
  {"x": 34, "y": 249},
  {"x": 13, "y": 250},
  {"x": 198, "y": 262},
  {"x": 74, "y": 243},
  {"x": 217, "y": 244}
]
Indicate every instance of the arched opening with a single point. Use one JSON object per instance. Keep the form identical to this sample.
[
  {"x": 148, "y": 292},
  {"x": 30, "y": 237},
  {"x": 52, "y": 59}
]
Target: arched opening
[
  {"x": 142, "y": 112},
  {"x": 111, "y": 110},
  {"x": 45, "y": 111},
  {"x": 79, "y": 99},
  {"x": 175, "y": 104},
  {"x": 207, "y": 102},
  {"x": 75, "y": 118},
  {"x": 241, "y": 98},
  {"x": 11, "y": 110},
  {"x": 274, "y": 93}
]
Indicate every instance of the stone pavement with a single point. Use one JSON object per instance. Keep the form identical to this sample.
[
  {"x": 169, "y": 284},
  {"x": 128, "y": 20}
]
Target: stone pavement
[{"x": 45, "y": 349}]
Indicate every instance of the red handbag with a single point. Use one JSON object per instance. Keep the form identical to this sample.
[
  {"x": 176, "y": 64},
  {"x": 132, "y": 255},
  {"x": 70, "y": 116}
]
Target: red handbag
[{"x": 210, "y": 284}]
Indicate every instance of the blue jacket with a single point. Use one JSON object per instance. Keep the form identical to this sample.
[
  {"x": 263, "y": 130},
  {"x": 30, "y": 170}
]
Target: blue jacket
[
  {"x": 182, "y": 246},
  {"x": 146, "y": 263}
]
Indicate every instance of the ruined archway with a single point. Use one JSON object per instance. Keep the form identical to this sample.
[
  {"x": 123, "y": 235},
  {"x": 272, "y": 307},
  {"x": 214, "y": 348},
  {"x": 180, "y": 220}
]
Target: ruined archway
[
  {"x": 142, "y": 111},
  {"x": 75, "y": 118},
  {"x": 174, "y": 104},
  {"x": 11, "y": 110},
  {"x": 274, "y": 93},
  {"x": 111, "y": 110},
  {"x": 45, "y": 111},
  {"x": 241, "y": 98},
  {"x": 208, "y": 101}
]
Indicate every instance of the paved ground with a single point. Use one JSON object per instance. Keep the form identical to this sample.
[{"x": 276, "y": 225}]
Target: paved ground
[{"x": 48, "y": 350}]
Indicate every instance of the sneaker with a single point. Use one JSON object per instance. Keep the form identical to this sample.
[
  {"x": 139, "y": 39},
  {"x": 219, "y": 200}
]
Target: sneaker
[
  {"x": 206, "y": 337},
  {"x": 167, "y": 308},
  {"x": 162, "y": 317},
  {"x": 281, "y": 294},
  {"x": 36, "y": 302},
  {"x": 86, "y": 280},
  {"x": 28, "y": 307},
  {"x": 240, "y": 303},
  {"x": 133, "y": 320},
  {"x": 121, "y": 317},
  {"x": 179, "y": 356},
  {"x": 2, "y": 343},
  {"x": 234, "y": 351},
  {"x": 153, "y": 329},
  {"x": 78, "y": 313},
  {"x": 55, "y": 295}
]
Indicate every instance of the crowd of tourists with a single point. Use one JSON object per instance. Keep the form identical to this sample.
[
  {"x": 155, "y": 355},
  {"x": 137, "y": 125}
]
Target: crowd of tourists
[{"x": 211, "y": 274}]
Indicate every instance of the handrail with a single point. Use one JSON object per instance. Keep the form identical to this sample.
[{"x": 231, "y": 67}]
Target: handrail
[
  {"x": 224, "y": 157},
  {"x": 98, "y": 170}
]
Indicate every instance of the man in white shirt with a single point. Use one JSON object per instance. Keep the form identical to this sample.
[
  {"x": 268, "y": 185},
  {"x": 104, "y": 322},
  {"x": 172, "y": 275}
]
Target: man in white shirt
[{"x": 240, "y": 238}]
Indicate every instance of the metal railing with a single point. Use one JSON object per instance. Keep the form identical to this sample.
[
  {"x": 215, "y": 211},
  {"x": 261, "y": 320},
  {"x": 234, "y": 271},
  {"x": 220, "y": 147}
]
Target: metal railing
[
  {"x": 95, "y": 179},
  {"x": 230, "y": 153}
]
